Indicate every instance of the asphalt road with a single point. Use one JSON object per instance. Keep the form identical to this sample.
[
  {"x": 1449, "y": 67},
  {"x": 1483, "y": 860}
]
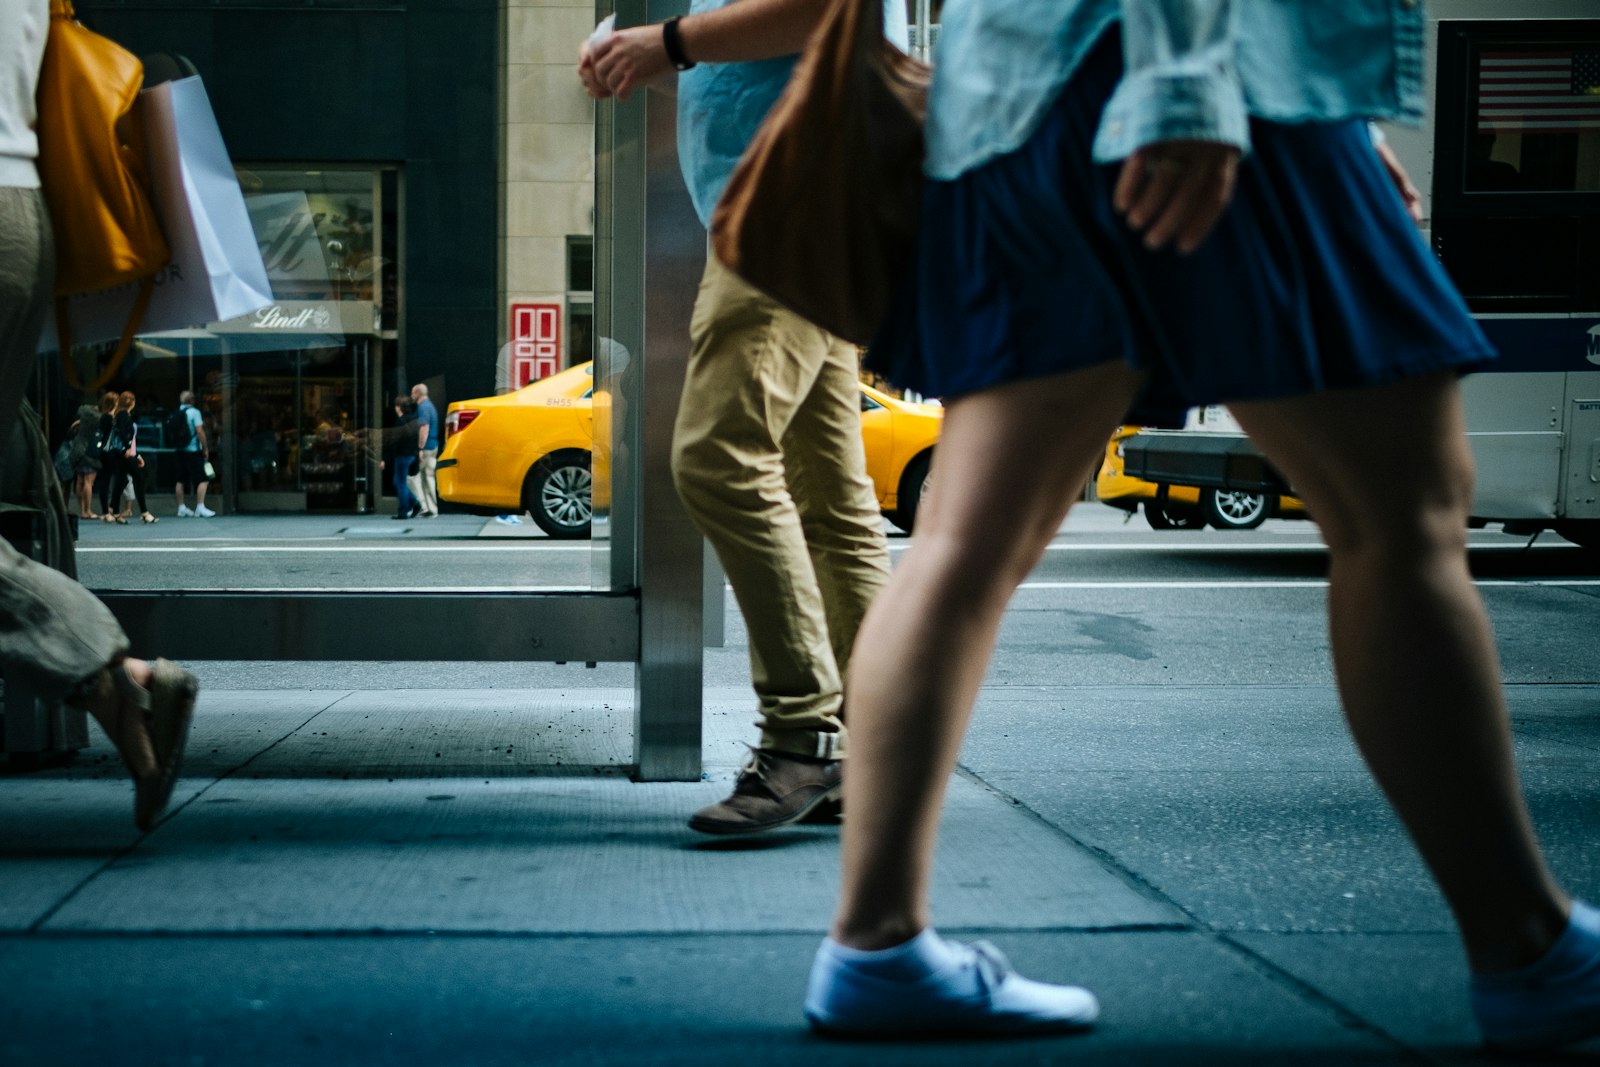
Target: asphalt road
[
  {"x": 1111, "y": 603},
  {"x": 461, "y": 552}
]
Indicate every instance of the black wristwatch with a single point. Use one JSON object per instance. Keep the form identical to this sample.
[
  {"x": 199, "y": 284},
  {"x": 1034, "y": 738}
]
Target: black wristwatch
[{"x": 672, "y": 41}]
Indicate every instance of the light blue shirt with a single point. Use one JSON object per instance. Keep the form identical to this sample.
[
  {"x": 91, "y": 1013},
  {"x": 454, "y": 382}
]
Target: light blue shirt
[
  {"x": 1195, "y": 69},
  {"x": 196, "y": 422},
  {"x": 721, "y": 106}
]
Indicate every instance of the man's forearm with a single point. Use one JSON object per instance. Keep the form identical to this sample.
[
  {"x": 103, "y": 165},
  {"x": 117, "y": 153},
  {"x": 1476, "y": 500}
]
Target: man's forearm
[{"x": 748, "y": 30}]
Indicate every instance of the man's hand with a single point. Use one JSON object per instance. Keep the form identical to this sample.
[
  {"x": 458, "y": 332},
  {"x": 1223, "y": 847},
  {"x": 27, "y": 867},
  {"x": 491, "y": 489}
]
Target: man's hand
[
  {"x": 1402, "y": 182},
  {"x": 591, "y": 81},
  {"x": 625, "y": 61},
  {"x": 1175, "y": 191}
]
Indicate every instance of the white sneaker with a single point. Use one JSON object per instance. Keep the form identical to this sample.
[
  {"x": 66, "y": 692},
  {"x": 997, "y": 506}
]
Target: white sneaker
[
  {"x": 929, "y": 986},
  {"x": 203, "y": 511},
  {"x": 508, "y": 520},
  {"x": 184, "y": 512},
  {"x": 1554, "y": 1002}
]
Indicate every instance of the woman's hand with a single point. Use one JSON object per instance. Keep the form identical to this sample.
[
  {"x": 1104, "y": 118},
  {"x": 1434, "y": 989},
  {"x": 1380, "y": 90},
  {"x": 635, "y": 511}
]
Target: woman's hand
[
  {"x": 1402, "y": 182},
  {"x": 1175, "y": 191}
]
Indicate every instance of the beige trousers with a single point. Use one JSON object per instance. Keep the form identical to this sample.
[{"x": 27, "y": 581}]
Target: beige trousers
[
  {"x": 423, "y": 481},
  {"x": 767, "y": 457}
]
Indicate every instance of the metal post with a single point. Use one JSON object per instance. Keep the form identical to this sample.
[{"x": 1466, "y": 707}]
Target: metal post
[{"x": 658, "y": 250}]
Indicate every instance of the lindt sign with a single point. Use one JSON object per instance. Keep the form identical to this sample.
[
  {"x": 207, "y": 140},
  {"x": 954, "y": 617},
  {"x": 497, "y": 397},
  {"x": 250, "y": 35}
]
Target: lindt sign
[{"x": 276, "y": 318}]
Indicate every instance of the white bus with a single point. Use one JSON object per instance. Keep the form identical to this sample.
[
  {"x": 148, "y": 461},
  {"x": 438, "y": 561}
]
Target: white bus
[{"x": 1509, "y": 167}]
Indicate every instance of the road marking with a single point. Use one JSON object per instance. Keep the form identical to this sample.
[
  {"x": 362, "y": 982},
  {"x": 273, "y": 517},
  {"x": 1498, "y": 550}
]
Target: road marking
[
  {"x": 1302, "y": 583},
  {"x": 283, "y": 549},
  {"x": 342, "y": 545}
]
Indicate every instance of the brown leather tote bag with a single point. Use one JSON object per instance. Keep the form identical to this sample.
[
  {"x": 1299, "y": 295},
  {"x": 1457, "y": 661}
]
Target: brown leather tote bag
[
  {"x": 94, "y": 176},
  {"x": 821, "y": 213}
]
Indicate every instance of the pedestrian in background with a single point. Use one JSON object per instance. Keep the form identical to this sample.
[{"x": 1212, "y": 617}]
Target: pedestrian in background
[
  {"x": 113, "y": 459},
  {"x": 400, "y": 455},
  {"x": 84, "y": 454},
  {"x": 766, "y": 452},
  {"x": 53, "y": 631},
  {"x": 193, "y": 454},
  {"x": 1088, "y": 183},
  {"x": 132, "y": 470},
  {"x": 424, "y": 484}
]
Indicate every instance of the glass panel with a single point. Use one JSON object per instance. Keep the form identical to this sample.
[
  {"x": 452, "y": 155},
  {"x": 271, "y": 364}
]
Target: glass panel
[
  {"x": 1535, "y": 118},
  {"x": 295, "y": 413}
]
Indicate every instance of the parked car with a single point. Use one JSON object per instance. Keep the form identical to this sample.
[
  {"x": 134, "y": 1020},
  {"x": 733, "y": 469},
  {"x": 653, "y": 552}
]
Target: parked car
[
  {"x": 1185, "y": 507},
  {"x": 532, "y": 450}
]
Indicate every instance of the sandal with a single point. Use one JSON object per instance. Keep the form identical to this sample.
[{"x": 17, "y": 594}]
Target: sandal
[
  {"x": 148, "y": 518},
  {"x": 149, "y": 727},
  {"x": 122, "y": 520}
]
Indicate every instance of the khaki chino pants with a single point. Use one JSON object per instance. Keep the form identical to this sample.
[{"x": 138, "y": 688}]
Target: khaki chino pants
[{"x": 768, "y": 459}]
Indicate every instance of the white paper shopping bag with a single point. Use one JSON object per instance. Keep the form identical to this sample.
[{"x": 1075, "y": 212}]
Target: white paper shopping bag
[{"x": 216, "y": 270}]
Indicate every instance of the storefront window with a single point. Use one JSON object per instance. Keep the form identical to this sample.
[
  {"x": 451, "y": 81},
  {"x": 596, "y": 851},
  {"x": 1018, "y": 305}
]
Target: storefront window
[{"x": 293, "y": 394}]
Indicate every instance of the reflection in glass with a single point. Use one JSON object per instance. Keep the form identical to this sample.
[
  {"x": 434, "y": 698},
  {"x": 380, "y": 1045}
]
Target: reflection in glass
[{"x": 1536, "y": 121}]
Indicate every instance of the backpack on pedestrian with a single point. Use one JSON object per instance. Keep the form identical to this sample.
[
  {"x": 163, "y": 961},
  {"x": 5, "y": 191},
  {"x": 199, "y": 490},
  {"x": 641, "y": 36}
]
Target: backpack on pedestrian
[{"x": 178, "y": 432}]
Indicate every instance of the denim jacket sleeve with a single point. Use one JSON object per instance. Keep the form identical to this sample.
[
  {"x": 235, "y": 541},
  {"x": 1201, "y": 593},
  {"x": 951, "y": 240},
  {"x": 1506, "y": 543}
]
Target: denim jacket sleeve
[{"x": 1182, "y": 78}]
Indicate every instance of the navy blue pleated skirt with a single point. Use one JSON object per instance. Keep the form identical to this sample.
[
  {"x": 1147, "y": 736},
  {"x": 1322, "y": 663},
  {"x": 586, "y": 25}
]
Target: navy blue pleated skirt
[{"x": 1315, "y": 278}]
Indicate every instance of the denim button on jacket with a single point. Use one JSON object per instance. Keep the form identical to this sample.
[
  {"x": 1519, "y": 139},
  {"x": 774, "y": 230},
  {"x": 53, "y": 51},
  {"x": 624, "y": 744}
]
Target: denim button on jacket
[{"x": 1195, "y": 69}]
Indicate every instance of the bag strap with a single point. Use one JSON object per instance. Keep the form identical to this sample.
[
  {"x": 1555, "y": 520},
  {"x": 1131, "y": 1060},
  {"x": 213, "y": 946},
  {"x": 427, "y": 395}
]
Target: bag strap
[{"x": 64, "y": 339}]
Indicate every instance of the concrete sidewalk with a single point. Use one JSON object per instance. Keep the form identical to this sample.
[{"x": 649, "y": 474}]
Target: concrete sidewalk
[
  {"x": 465, "y": 876},
  {"x": 344, "y": 880}
]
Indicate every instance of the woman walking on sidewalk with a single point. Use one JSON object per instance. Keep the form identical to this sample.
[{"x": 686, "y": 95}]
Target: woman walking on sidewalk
[
  {"x": 1089, "y": 182},
  {"x": 54, "y": 633},
  {"x": 131, "y": 472},
  {"x": 85, "y": 456}
]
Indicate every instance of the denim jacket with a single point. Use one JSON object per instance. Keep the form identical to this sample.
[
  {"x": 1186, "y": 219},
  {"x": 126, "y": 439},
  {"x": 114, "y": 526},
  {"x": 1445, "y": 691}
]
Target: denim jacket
[{"x": 1195, "y": 69}]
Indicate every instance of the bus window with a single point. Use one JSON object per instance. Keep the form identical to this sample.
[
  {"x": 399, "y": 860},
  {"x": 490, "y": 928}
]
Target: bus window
[
  {"x": 1517, "y": 164},
  {"x": 1535, "y": 118}
]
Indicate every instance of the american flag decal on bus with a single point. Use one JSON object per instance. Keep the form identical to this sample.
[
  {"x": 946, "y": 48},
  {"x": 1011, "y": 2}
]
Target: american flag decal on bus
[{"x": 1538, "y": 92}]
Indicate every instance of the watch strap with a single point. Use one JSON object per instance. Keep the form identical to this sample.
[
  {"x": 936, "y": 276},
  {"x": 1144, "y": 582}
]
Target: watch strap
[{"x": 672, "y": 41}]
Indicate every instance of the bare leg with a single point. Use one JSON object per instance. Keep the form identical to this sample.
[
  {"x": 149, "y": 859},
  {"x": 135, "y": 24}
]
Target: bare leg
[
  {"x": 1388, "y": 475},
  {"x": 1011, "y": 459}
]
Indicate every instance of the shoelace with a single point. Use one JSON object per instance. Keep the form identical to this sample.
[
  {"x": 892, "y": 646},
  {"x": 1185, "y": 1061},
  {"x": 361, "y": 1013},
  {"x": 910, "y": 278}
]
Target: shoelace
[
  {"x": 754, "y": 773},
  {"x": 990, "y": 963}
]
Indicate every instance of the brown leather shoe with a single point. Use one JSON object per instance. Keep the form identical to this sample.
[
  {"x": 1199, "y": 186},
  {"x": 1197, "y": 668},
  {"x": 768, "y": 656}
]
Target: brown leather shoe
[{"x": 773, "y": 790}]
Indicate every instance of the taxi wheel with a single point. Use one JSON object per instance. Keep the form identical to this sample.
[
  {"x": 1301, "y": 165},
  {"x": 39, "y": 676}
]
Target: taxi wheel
[
  {"x": 914, "y": 484},
  {"x": 1172, "y": 517},
  {"x": 557, "y": 493},
  {"x": 1228, "y": 509}
]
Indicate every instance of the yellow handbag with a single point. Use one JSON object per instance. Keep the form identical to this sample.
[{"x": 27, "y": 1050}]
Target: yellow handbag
[{"x": 93, "y": 172}]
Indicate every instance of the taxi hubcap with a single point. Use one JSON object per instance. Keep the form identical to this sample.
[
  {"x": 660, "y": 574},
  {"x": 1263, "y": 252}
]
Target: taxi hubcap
[{"x": 566, "y": 496}]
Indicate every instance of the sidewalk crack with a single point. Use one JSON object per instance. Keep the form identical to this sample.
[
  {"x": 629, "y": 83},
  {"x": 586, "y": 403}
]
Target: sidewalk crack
[
  {"x": 1258, "y": 963},
  {"x": 37, "y": 926}
]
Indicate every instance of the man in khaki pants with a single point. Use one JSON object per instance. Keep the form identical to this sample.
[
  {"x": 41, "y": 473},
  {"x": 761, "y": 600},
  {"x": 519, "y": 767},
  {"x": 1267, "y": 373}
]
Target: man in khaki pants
[{"x": 767, "y": 452}]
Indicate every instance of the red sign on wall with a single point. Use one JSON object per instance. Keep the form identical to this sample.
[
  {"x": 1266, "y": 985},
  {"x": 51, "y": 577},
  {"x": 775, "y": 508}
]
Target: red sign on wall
[{"x": 535, "y": 342}]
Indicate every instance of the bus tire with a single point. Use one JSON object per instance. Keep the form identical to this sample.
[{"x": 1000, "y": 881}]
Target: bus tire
[
  {"x": 1172, "y": 516},
  {"x": 1585, "y": 532}
]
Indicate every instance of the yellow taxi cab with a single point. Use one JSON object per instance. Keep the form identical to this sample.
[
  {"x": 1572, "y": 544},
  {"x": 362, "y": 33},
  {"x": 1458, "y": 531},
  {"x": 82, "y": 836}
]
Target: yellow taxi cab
[
  {"x": 532, "y": 450},
  {"x": 1185, "y": 507}
]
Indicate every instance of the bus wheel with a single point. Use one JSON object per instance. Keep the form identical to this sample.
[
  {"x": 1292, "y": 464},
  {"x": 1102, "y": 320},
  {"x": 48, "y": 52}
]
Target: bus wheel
[
  {"x": 1172, "y": 517},
  {"x": 1585, "y": 532},
  {"x": 1227, "y": 509}
]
